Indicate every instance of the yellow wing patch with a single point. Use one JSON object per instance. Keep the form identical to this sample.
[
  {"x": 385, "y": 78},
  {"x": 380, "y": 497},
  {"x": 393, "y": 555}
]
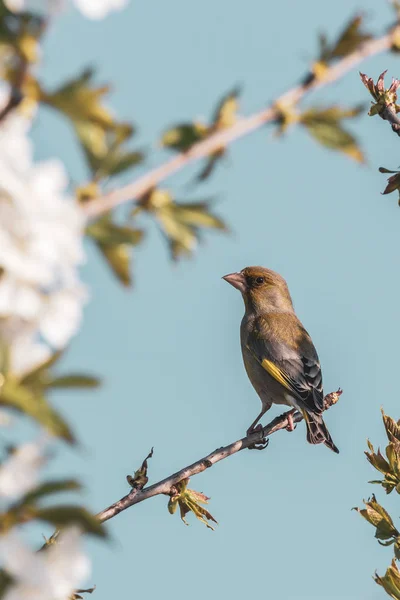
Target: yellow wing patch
[{"x": 276, "y": 373}]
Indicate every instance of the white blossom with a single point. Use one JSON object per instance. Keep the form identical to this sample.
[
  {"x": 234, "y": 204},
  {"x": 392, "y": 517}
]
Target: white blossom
[
  {"x": 19, "y": 473},
  {"x": 41, "y": 233},
  {"x": 93, "y": 9},
  {"x": 50, "y": 575},
  {"x": 98, "y": 9}
]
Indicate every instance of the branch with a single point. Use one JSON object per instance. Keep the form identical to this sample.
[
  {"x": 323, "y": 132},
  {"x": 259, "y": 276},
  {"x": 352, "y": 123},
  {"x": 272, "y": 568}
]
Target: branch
[
  {"x": 16, "y": 95},
  {"x": 242, "y": 127},
  {"x": 139, "y": 494}
]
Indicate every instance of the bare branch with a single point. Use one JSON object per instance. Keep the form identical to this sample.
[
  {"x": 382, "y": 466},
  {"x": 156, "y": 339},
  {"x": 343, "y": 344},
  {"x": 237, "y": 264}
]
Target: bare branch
[
  {"x": 164, "y": 487},
  {"x": 242, "y": 127}
]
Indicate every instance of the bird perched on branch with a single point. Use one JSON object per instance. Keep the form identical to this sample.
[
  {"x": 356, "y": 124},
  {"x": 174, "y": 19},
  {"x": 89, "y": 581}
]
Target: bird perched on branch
[{"x": 279, "y": 356}]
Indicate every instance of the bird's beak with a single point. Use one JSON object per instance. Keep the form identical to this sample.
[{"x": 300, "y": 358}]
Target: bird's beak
[{"x": 237, "y": 280}]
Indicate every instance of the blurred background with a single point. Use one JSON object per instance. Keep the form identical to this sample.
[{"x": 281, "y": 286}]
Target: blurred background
[{"x": 168, "y": 349}]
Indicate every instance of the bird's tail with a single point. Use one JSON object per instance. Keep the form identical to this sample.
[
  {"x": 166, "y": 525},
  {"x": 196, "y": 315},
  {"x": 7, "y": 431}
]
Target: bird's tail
[{"x": 317, "y": 432}]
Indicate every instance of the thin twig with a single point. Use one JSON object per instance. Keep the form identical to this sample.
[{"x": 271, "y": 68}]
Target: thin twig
[
  {"x": 164, "y": 486},
  {"x": 16, "y": 95},
  {"x": 389, "y": 114},
  {"x": 242, "y": 127}
]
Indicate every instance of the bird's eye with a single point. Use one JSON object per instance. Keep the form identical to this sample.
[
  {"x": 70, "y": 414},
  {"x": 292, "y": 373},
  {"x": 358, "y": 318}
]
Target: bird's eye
[{"x": 259, "y": 280}]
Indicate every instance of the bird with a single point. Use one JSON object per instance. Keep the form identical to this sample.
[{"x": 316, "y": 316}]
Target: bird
[{"x": 278, "y": 354}]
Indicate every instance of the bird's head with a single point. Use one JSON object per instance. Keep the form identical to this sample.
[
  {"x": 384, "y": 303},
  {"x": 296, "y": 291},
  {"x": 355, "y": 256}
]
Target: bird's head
[{"x": 263, "y": 290}]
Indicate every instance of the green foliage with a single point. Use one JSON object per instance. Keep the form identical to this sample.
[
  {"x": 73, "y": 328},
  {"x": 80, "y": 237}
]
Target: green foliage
[
  {"x": 29, "y": 508},
  {"x": 385, "y": 531},
  {"x": 349, "y": 40},
  {"x": 390, "y": 581},
  {"x": 384, "y": 98},
  {"x": 115, "y": 242},
  {"x": 21, "y": 398},
  {"x": 101, "y": 136},
  {"x": 19, "y": 36},
  {"x": 189, "y": 501},
  {"x": 140, "y": 479},
  {"x": 180, "y": 222},
  {"x": 183, "y": 136},
  {"x": 62, "y": 516},
  {"x": 389, "y": 467},
  {"x": 27, "y": 394},
  {"x": 325, "y": 125}
]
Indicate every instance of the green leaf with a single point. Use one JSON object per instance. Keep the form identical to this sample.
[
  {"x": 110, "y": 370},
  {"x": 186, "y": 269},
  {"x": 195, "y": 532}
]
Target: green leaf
[
  {"x": 60, "y": 516},
  {"x": 108, "y": 233},
  {"x": 40, "y": 372},
  {"x": 390, "y": 581},
  {"x": 351, "y": 38},
  {"x": 225, "y": 114},
  {"x": 101, "y": 136},
  {"x": 182, "y": 137},
  {"x": 140, "y": 479},
  {"x": 180, "y": 221},
  {"x": 210, "y": 164},
  {"x": 375, "y": 514},
  {"x": 119, "y": 260},
  {"x": 19, "y": 397},
  {"x": 333, "y": 136},
  {"x": 48, "y": 488},
  {"x": 392, "y": 429},
  {"x": 74, "y": 380},
  {"x": 190, "y": 501}
]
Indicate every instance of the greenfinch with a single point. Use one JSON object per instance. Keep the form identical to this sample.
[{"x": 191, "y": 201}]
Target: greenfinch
[{"x": 278, "y": 354}]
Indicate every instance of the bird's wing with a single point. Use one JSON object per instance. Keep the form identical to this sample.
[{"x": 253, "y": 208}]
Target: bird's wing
[{"x": 299, "y": 371}]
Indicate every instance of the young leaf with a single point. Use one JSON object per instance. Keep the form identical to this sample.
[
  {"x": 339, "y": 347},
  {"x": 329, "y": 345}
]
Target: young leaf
[
  {"x": 60, "y": 516},
  {"x": 351, "y": 38},
  {"x": 180, "y": 221},
  {"x": 140, "y": 479},
  {"x": 390, "y": 581},
  {"x": 74, "y": 380},
  {"x": 225, "y": 114},
  {"x": 48, "y": 488},
  {"x": 392, "y": 428},
  {"x": 375, "y": 514},
  {"x": 19, "y": 397},
  {"x": 118, "y": 258},
  {"x": 325, "y": 125},
  {"x": 101, "y": 136},
  {"x": 190, "y": 501},
  {"x": 183, "y": 136}
]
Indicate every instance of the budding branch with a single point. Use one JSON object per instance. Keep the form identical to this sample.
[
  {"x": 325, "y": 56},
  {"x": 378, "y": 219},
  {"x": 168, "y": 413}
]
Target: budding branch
[
  {"x": 250, "y": 441},
  {"x": 242, "y": 127}
]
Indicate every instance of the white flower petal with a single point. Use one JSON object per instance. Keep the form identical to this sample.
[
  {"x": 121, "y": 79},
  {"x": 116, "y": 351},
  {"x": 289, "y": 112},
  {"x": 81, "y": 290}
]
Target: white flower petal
[
  {"x": 98, "y": 9},
  {"x": 20, "y": 472},
  {"x": 50, "y": 575}
]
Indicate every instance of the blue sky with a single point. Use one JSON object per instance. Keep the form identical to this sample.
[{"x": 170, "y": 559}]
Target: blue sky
[{"x": 168, "y": 350}]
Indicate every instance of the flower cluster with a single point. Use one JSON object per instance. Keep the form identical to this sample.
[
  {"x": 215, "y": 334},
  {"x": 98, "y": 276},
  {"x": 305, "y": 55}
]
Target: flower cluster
[
  {"x": 93, "y": 9},
  {"x": 51, "y": 575},
  {"x": 41, "y": 231}
]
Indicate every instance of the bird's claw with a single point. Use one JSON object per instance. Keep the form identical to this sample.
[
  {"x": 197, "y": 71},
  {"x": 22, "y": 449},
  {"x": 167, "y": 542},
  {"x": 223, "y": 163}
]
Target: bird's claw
[
  {"x": 255, "y": 429},
  {"x": 259, "y": 446}
]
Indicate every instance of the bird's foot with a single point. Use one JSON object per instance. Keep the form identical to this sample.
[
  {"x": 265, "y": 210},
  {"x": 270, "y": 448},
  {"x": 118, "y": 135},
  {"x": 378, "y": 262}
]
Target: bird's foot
[
  {"x": 263, "y": 443},
  {"x": 290, "y": 426},
  {"x": 255, "y": 429},
  {"x": 259, "y": 446}
]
